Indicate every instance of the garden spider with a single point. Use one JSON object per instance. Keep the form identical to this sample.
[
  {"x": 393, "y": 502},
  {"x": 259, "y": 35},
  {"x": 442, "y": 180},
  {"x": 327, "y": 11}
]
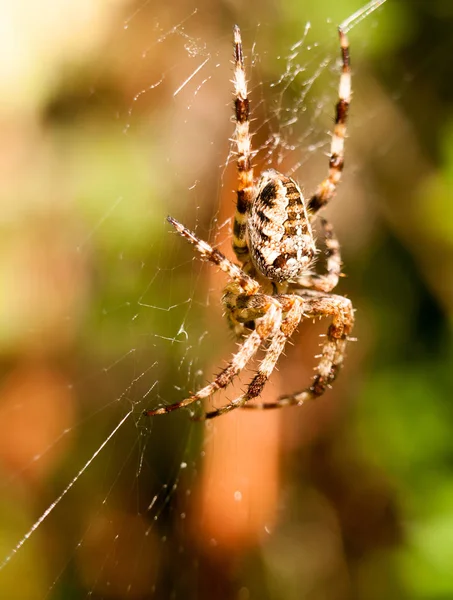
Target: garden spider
[{"x": 275, "y": 286}]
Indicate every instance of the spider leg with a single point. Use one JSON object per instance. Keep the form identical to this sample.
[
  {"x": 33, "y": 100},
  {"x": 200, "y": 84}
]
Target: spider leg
[
  {"x": 242, "y": 138},
  {"x": 326, "y": 283},
  {"x": 264, "y": 328},
  {"x": 326, "y": 189},
  {"x": 293, "y": 305},
  {"x": 246, "y": 283},
  {"x": 321, "y": 305}
]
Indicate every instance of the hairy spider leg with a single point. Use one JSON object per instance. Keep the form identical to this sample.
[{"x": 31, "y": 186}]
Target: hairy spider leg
[
  {"x": 316, "y": 305},
  {"x": 247, "y": 284},
  {"x": 245, "y": 191},
  {"x": 325, "y": 283},
  {"x": 270, "y": 310},
  {"x": 326, "y": 189},
  {"x": 265, "y": 327},
  {"x": 293, "y": 306}
]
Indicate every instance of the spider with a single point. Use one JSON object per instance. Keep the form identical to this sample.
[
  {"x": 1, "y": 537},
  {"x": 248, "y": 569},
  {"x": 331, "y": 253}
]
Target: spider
[{"x": 275, "y": 286}]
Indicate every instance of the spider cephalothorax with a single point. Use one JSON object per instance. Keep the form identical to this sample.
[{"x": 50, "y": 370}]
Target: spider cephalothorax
[{"x": 275, "y": 286}]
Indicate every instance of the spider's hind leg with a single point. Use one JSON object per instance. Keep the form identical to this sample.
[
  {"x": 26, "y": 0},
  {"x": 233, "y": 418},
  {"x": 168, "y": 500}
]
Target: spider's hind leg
[
  {"x": 326, "y": 283},
  {"x": 245, "y": 190},
  {"x": 326, "y": 188}
]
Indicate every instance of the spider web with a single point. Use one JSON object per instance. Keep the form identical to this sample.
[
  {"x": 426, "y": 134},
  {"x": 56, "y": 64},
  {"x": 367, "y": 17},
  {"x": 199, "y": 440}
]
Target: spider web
[{"x": 134, "y": 125}]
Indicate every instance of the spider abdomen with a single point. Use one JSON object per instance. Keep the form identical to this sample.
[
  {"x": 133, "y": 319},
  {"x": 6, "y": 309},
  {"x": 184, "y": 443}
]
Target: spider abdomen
[{"x": 281, "y": 241}]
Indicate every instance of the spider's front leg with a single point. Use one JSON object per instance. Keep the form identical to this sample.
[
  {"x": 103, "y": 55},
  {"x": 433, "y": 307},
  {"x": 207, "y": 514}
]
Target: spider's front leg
[
  {"x": 293, "y": 308},
  {"x": 265, "y": 327},
  {"x": 315, "y": 305},
  {"x": 241, "y": 286}
]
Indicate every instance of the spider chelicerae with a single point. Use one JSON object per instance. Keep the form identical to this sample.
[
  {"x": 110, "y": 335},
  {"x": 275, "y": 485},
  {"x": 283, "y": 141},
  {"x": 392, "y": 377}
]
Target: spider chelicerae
[{"x": 275, "y": 286}]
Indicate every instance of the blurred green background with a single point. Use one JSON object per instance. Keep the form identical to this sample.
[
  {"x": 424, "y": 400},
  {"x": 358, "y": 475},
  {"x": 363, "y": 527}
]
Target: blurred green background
[{"x": 104, "y": 312}]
